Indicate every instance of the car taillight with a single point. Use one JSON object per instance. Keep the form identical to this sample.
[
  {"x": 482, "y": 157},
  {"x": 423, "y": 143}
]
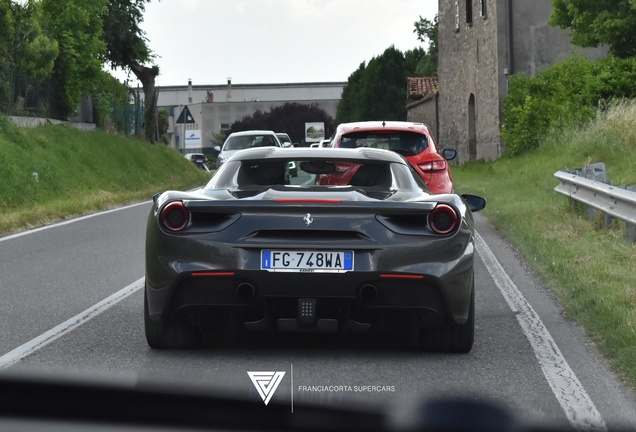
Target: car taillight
[
  {"x": 443, "y": 219},
  {"x": 433, "y": 166},
  {"x": 175, "y": 216}
]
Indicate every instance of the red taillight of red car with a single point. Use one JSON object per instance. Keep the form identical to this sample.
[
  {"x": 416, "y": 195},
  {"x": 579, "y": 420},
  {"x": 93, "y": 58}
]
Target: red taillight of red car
[
  {"x": 443, "y": 219},
  {"x": 175, "y": 216},
  {"x": 433, "y": 166}
]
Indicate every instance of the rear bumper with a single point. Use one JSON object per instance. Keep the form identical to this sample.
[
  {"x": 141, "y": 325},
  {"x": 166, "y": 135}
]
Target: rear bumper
[{"x": 355, "y": 301}]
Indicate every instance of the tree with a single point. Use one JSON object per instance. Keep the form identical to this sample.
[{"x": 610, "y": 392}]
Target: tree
[
  {"x": 427, "y": 32},
  {"x": 31, "y": 52},
  {"x": 595, "y": 22},
  {"x": 6, "y": 34},
  {"x": 77, "y": 28},
  {"x": 376, "y": 91},
  {"x": 24, "y": 50},
  {"x": 349, "y": 107},
  {"x": 383, "y": 95},
  {"x": 127, "y": 48},
  {"x": 290, "y": 118}
]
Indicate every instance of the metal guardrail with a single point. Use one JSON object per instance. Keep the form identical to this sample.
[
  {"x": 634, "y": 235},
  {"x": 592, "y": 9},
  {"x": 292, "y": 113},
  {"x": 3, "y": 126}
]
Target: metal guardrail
[{"x": 616, "y": 202}]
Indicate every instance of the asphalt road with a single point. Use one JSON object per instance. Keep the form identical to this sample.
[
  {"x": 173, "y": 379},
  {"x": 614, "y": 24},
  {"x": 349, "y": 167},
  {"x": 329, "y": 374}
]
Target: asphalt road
[{"x": 527, "y": 355}]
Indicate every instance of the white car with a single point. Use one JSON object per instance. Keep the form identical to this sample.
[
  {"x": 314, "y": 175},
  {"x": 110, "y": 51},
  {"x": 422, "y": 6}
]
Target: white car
[
  {"x": 243, "y": 140},
  {"x": 321, "y": 143}
]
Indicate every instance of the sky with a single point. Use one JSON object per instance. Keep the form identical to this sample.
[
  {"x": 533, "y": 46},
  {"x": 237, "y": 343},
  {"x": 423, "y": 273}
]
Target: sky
[{"x": 275, "y": 41}]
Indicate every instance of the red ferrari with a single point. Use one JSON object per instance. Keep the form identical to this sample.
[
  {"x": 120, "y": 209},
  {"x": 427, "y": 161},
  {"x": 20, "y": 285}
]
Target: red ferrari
[{"x": 412, "y": 140}]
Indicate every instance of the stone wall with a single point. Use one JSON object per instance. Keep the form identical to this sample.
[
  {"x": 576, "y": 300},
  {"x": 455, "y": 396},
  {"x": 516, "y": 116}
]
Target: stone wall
[
  {"x": 37, "y": 121},
  {"x": 476, "y": 58}
]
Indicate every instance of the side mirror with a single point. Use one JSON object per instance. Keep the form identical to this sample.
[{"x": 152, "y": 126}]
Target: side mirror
[
  {"x": 217, "y": 148},
  {"x": 474, "y": 202},
  {"x": 287, "y": 144},
  {"x": 449, "y": 154}
]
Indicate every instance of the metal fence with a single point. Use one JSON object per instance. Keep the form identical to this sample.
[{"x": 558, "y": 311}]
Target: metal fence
[
  {"x": 27, "y": 97},
  {"x": 590, "y": 186}
]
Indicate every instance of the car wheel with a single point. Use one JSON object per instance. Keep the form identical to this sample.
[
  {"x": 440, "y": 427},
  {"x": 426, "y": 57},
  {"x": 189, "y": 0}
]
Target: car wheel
[
  {"x": 165, "y": 333},
  {"x": 454, "y": 338}
]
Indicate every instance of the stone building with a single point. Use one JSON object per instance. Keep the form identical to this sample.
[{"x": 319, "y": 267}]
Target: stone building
[
  {"x": 482, "y": 43},
  {"x": 422, "y": 102}
]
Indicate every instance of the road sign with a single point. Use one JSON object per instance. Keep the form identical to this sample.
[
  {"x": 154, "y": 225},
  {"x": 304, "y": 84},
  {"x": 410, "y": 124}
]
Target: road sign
[{"x": 185, "y": 117}]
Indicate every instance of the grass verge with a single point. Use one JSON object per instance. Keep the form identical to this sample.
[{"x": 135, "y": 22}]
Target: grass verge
[
  {"x": 55, "y": 172},
  {"x": 590, "y": 268}
]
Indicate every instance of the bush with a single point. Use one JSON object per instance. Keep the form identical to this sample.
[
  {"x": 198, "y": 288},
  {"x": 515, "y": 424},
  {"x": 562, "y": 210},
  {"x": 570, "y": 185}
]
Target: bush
[{"x": 567, "y": 93}]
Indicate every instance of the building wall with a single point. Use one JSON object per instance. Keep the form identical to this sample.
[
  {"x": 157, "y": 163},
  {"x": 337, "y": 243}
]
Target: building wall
[
  {"x": 424, "y": 112},
  {"x": 475, "y": 61},
  {"x": 535, "y": 44},
  {"x": 216, "y": 107},
  {"x": 469, "y": 74},
  {"x": 211, "y": 118},
  {"x": 170, "y": 96}
]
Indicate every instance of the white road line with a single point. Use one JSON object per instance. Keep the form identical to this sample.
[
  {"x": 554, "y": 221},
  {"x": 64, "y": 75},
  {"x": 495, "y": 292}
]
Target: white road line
[
  {"x": 57, "y": 332},
  {"x": 577, "y": 404},
  {"x": 70, "y": 221}
]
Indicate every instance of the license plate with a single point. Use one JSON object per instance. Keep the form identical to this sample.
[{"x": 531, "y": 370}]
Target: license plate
[{"x": 307, "y": 261}]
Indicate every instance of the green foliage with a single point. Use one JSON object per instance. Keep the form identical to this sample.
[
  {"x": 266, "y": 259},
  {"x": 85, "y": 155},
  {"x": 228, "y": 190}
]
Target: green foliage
[
  {"x": 24, "y": 49},
  {"x": 107, "y": 93},
  {"x": 6, "y": 35},
  {"x": 32, "y": 52},
  {"x": 427, "y": 32},
  {"x": 163, "y": 123},
  {"x": 127, "y": 48},
  {"x": 350, "y": 106},
  {"x": 568, "y": 93},
  {"x": 126, "y": 42},
  {"x": 52, "y": 172},
  {"x": 77, "y": 27},
  {"x": 39, "y": 57},
  {"x": 595, "y": 22},
  {"x": 589, "y": 268},
  {"x": 289, "y": 118},
  {"x": 376, "y": 91},
  {"x": 383, "y": 93}
]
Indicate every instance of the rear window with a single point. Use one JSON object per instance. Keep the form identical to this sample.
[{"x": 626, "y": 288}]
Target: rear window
[
  {"x": 315, "y": 172},
  {"x": 242, "y": 142},
  {"x": 283, "y": 138},
  {"x": 404, "y": 143}
]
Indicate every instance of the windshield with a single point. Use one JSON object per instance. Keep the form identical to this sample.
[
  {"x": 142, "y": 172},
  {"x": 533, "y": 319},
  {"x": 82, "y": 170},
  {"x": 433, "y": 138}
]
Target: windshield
[
  {"x": 377, "y": 179},
  {"x": 404, "y": 143}
]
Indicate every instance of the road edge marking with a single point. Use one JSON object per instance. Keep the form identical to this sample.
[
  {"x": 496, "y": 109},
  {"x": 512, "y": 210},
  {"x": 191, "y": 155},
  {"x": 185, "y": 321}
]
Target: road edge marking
[
  {"x": 568, "y": 390},
  {"x": 19, "y": 353},
  {"x": 70, "y": 221}
]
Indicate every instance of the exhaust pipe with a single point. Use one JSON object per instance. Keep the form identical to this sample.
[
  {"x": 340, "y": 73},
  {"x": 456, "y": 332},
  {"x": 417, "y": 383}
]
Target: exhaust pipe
[
  {"x": 245, "y": 291},
  {"x": 368, "y": 294}
]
